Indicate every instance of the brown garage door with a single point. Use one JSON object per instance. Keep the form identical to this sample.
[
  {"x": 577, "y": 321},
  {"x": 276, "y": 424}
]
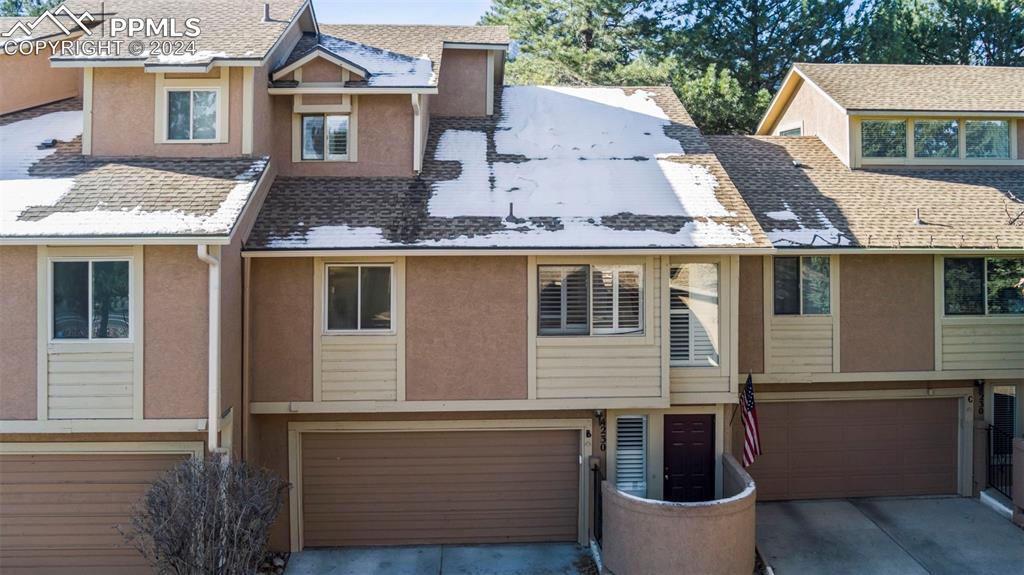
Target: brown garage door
[
  {"x": 58, "y": 513},
  {"x": 439, "y": 487},
  {"x": 824, "y": 449}
]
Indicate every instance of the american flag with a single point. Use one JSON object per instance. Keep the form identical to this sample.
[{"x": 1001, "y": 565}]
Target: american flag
[{"x": 751, "y": 434}]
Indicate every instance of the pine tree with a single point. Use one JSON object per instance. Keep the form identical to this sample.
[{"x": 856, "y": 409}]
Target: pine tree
[{"x": 26, "y": 7}]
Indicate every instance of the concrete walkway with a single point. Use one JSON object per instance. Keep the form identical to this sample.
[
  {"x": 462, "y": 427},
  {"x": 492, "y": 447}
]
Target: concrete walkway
[
  {"x": 532, "y": 559},
  {"x": 888, "y": 536}
]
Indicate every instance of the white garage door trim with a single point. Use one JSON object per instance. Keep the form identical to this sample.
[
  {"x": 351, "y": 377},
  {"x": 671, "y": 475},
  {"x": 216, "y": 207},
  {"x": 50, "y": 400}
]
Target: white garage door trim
[
  {"x": 297, "y": 428},
  {"x": 965, "y": 429}
]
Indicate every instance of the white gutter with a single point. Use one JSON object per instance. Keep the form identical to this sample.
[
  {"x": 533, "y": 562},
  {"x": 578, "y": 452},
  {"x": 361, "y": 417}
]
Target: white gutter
[{"x": 213, "y": 353}]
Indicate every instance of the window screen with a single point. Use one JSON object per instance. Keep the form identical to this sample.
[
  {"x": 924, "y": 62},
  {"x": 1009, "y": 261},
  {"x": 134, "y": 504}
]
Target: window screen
[
  {"x": 358, "y": 298},
  {"x": 936, "y": 139},
  {"x": 883, "y": 138},
  {"x": 91, "y": 299},
  {"x": 1005, "y": 285},
  {"x": 964, "y": 286},
  {"x": 802, "y": 285},
  {"x": 987, "y": 138}
]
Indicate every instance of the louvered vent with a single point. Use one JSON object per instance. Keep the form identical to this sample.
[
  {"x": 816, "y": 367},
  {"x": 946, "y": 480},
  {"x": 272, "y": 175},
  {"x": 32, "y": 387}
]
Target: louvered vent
[{"x": 631, "y": 455}]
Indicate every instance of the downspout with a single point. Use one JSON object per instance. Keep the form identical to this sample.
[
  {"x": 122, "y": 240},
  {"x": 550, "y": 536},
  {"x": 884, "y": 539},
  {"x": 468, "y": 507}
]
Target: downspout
[
  {"x": 213, "y": 353},
  {"x": 417, "y": 134}
]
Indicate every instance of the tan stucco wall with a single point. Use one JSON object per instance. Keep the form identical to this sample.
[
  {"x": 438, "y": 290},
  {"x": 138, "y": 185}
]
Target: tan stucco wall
[
  {"x": 887, "y": 313},
  {"x": 124, "y": 102},
  {"x": 1018, "y": 481},
  {"x": 29, "y": 81},
  {"x": 385, "y": 138},
  {"x": 267, "y": 443},
  {"x": 281, "y": 358},
  {"x": 175, "y": 323},
  {"x": 466, "y": 328},
  {"x": 751, "y": 315},
  {"x": 642, "y": 536},
  {"x": 263, "y": 130},
  {"x": 462, "y": 85},
  {"x": 820, "y": 118},
  {"x": 18, "y": 332}
]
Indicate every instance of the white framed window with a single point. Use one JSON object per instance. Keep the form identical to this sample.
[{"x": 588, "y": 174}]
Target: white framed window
[
  {"x": 983, "y": 286},
  {"x": 325, "y": 137},
  {"x": 631, "y": 454},
  {"x": 936, "y": 139},
  {"x": 360, "y": 298},
  {"x": 987, "y": 139},
  {"x": 193, "y": 114},
  {"x": 693, "y": 315},
  {"x": 90, "y": 299},
  {"x": 802, "y": 285},
  {"x": 590, "y": 299},
  {"x": 792, "y": 132}
]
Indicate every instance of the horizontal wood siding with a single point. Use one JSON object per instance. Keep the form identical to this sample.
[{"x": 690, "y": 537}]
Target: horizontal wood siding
[
  {"x": 690, "y": 380},
  {"x": 800, "y": 345},
  {"x": 983, "y": 344},
  {"x": 601, "y": 366},
  {"x": 359, "y": 367},
  {"x": 439, "y": 487},
  {"x": 59, "y": 513},
  {"x": 90, "y": 384}
]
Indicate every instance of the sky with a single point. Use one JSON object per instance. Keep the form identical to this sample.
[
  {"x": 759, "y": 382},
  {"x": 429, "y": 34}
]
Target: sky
[{"x": 400, "y": 11}]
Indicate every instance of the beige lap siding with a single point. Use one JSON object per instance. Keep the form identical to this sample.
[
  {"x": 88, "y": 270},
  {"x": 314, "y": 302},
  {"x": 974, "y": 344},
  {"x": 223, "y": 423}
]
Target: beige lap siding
[
  {"x": 983, "y": 343},
  {"x": 355, "y": 367},
  {"x": 90, "y": 383},
  {"x": 59, "y": 512},
  {"x": 800, "y": 344},
  {"x": 439, "y": 487}
]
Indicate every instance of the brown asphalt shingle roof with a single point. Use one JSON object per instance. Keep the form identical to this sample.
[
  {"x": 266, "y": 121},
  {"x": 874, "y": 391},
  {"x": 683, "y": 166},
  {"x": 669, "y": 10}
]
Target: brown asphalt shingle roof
[
  {"x": 413, "y": 40},
  {"x": 895, "y": 87},
  {"x": 229, "y": 29},
  {"x": 399, "y": 206},
  {"x": 966, "y": 207}
]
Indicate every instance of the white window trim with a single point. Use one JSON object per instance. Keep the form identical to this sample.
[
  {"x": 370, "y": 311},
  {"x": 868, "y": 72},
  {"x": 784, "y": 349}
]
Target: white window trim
[
  {"x": 692, "y": 362},
  {"x": 800, "y": 288},
  {"x": 328, "y": 157},
  {"x": 910, "y": 159},
  {"x": 591, "y": 330},
  {"x": 615, "y": 269},
  {"x": 219, "y": 84},
  {"x": 984, "y": 289},
  {"x": 645, "y": 433},
  {"x": 359, "y": 299},
  {"x": 349, "y": 109},
  {"x": 191, "y": 116},
  {"x": 91, "y": 340}
]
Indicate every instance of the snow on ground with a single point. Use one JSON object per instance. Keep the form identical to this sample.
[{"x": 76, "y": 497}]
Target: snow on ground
[
  {"x": 386, "y": 68},
  {"x": 19, "y": 143}
]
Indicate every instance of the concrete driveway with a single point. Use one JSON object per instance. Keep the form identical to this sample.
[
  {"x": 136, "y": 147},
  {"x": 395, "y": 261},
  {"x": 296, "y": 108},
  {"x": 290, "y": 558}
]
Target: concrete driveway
[
  {"x": 532, "y": 559},
  {"x": 888, "y": 536}
]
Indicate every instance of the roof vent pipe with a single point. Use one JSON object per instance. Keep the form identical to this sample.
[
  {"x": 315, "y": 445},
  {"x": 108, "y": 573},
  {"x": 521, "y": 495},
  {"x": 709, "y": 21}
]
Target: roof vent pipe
[
  {"x": 266, "y": 12},
  {"x": 917, "y": 218}
]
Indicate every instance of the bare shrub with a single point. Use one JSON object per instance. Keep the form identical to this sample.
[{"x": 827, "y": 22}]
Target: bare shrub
[{"x": 206, "y": 517}]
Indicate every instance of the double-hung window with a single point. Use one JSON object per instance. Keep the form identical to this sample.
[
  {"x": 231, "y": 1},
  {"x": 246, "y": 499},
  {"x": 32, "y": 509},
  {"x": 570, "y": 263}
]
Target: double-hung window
[
  {"x": 192, "y": 114},
  {"x": 983, "y": 286},
  {"x": 590, "y": 299},
  {"x": 359, "y": 298},
  {"x": 802, "y": 285},
  {"x": 693, "y": 314},
  {"x": 325, "y": 137},
  {"x": 90, "y": 299}
]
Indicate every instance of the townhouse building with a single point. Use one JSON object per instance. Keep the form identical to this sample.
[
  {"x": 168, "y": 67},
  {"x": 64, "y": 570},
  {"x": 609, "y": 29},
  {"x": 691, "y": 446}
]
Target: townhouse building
[{"x": 445, "y": 309}]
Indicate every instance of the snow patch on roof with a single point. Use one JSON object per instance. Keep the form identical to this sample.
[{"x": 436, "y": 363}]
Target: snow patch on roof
[
  {"x": 821, "y": 233},
  {"x": 200, "y": 57},
  {"x": 19, "y": 142},
  {"x": 386, "y": 68}
]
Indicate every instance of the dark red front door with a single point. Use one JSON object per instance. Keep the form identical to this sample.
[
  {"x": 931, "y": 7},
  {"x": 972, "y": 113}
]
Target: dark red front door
[{"x": 689, "y": 457}]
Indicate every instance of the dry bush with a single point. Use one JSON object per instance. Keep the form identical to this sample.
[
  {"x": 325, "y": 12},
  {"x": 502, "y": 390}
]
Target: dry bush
[{"x": 207, "y": 517}]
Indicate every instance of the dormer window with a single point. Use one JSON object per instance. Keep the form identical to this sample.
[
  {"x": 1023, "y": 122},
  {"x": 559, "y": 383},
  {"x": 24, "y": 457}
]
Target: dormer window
[
  {"x": 192, "y": 115},
  {"x": 325, "y": 137},
  {"x": 936, "y": 140}
]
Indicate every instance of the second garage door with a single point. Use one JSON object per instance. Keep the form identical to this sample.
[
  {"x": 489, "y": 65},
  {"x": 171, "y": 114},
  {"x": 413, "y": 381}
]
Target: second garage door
[
  {"x": 439, "y": 487},
  {"x": 824, "y": 449}
]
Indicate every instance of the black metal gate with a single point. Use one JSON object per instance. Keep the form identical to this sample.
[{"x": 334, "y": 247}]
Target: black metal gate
[{"x": 1000, "y": 460}]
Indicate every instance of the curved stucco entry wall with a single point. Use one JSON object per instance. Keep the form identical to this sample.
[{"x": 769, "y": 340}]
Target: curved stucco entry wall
[{"x": 645, "y": 536}]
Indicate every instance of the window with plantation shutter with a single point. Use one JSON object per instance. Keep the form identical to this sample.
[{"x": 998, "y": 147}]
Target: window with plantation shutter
[
  {"x": 693, "y": 315},
  {"x": 617, "y": 299},
  {"x": 631, "y": 455},
  {"x": 563, "y": 300}
]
